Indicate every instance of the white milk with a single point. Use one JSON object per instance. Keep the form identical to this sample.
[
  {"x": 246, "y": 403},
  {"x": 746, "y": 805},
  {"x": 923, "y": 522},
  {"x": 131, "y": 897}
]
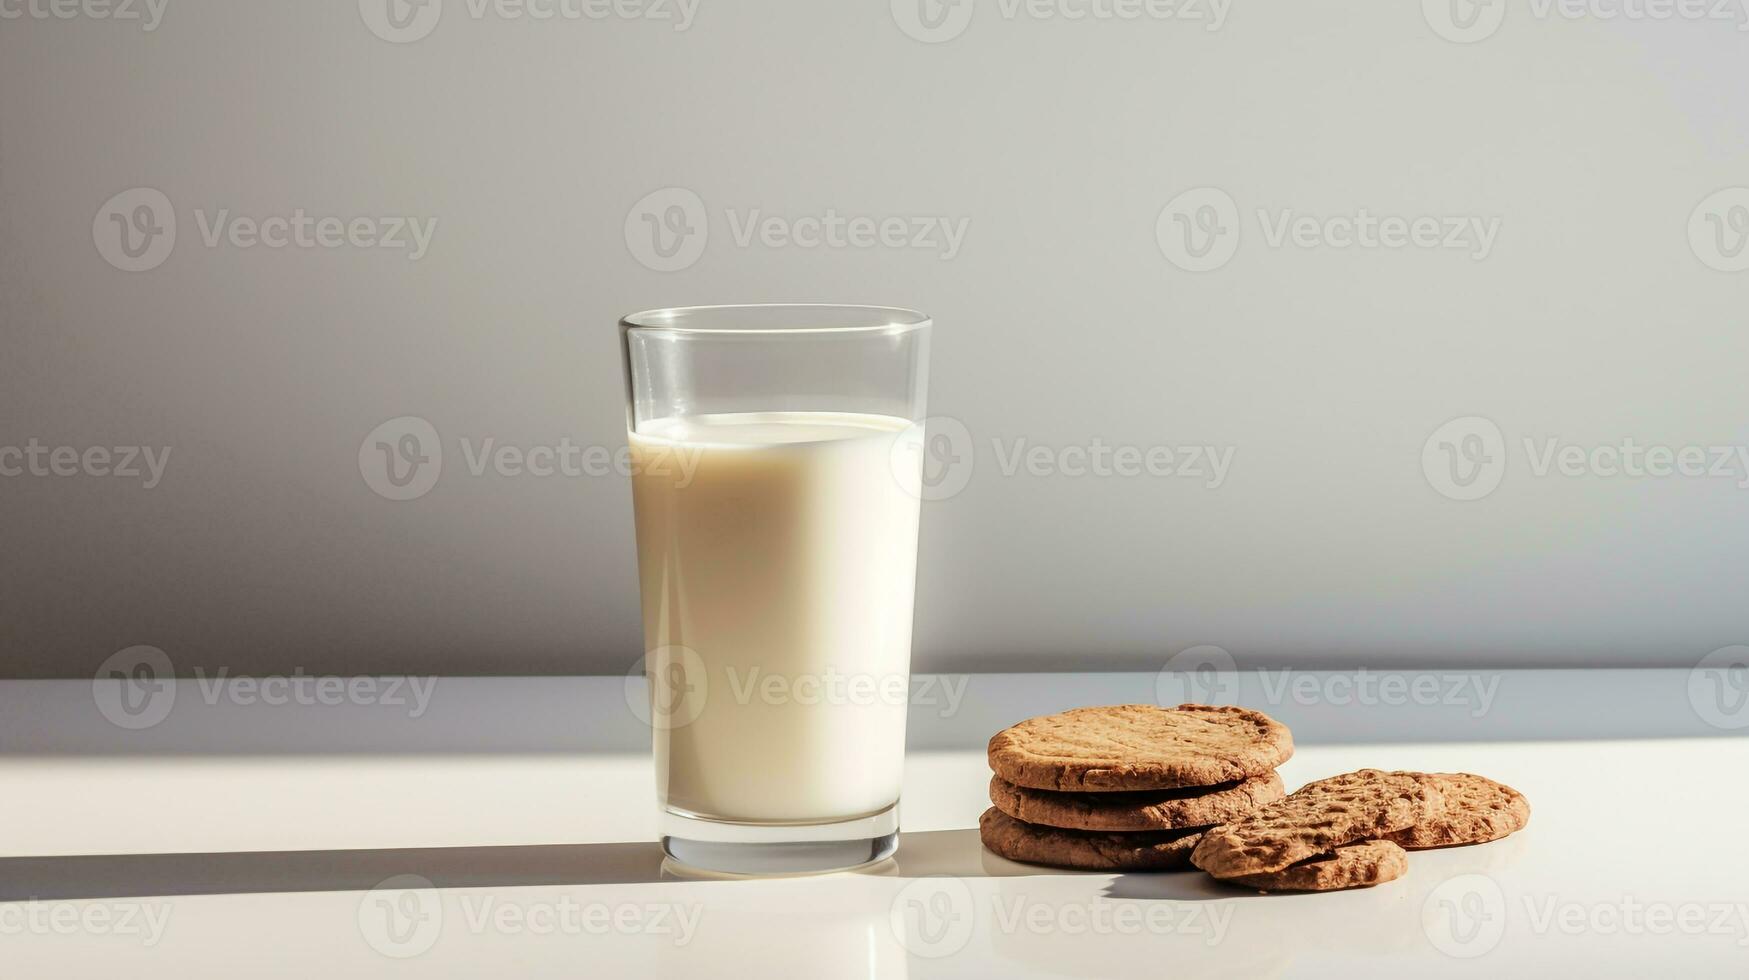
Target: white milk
[{"x": 780, "y": 549}]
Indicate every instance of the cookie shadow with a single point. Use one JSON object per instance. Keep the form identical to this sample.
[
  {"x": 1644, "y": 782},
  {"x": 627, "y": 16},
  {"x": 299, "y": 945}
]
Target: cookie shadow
[{"x": 961, "y": 854}]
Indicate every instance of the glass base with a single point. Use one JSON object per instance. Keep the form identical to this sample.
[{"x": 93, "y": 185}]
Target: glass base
[{"x": 720, "y": 847}]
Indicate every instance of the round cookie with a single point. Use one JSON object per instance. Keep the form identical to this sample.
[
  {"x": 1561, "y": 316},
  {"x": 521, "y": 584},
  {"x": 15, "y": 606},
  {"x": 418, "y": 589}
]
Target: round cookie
[
  {"x": 1085, "y": 850},
  {"x": 1138, "y": 747},
  {"x": 1476, "y": 810},
  {"x": 1159, "y": 809},
  {"x": 1316, "y": 819},
  {"x": 1359, "y": 865}
]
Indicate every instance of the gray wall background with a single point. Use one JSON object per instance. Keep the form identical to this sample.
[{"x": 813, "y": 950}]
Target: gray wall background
[{"x": 1061, "y": 320}]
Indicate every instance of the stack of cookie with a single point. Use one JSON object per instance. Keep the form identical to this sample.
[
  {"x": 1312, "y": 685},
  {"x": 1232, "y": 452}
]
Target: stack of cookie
[
  {"x": 1352, "y": 830},
  {"x": 1128, "y": 787},
  {"x": 1136, "y": 787}
]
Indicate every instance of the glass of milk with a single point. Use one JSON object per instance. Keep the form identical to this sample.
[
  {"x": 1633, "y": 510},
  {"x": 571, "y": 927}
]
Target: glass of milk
[{"x": 776, "y": 474}]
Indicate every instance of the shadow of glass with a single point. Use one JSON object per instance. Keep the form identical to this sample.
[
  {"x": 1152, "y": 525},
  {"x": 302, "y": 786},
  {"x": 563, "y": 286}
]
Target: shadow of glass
[
  {"x": 251, "y": 872},
  {"x": 956, "y": 853},
  {"x": 921, "y": 854}
]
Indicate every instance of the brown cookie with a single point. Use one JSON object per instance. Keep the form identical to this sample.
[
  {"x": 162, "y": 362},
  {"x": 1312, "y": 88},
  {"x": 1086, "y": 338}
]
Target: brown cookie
[
  {"x": 1161, "y": 850},
  {"x": 1476, "y": 810},
  {"x": 1359, "y": 865},
  {"x": 1139, "y": 746},
  {"x": 1316, "y": 819},
  {"x": 1153, "y": 809}
]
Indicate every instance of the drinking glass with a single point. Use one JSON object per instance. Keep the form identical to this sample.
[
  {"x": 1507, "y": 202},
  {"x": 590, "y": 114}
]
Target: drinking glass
[{"x": 776, "y": 477}]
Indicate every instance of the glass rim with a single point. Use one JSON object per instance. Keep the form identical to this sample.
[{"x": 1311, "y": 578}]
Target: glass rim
[{"x": 746, "y": 319}]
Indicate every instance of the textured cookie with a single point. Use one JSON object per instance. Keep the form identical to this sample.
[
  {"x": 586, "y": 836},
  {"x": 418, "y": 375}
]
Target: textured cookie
[
  {"x": 1359, "y": 865},
  {"x": 1476, "y": 810},
  {"x": 1152, "y": 809},
  {"x": 1139, "y": 746},
  {"x": 1316, "y": 819},
  {"x": 1162, "y": 850}
]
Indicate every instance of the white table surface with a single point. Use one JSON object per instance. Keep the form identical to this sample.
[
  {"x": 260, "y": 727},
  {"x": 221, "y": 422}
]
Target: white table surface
[{"x": 252, "y": 840}]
